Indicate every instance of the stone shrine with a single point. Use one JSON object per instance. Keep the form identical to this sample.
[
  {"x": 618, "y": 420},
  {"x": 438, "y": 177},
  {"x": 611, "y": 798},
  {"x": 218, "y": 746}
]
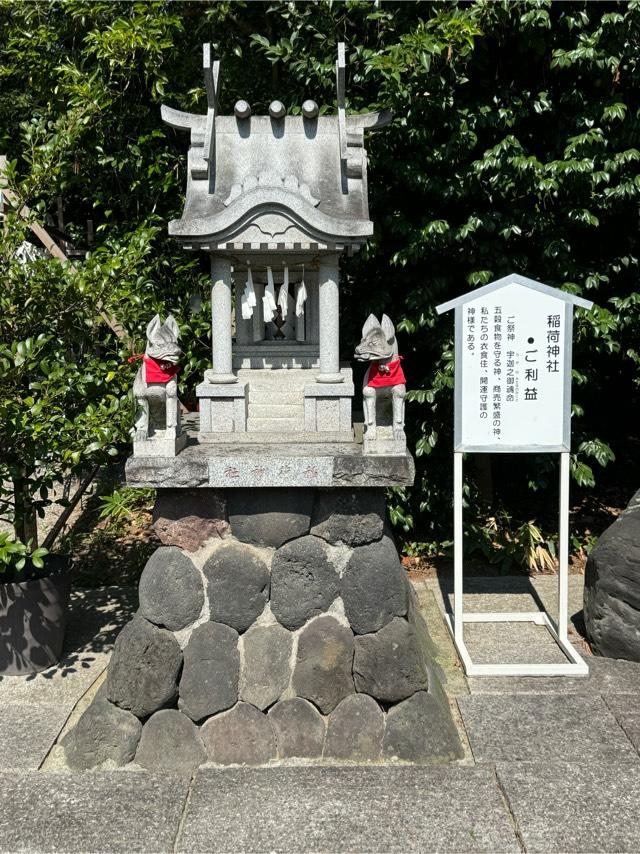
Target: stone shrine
[
  {"x": 271, "y": 198},
  {"x": 276, "y": 623}
]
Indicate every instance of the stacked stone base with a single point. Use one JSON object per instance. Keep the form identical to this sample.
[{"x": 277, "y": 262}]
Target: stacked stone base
[{"x": 274, "y": 626}]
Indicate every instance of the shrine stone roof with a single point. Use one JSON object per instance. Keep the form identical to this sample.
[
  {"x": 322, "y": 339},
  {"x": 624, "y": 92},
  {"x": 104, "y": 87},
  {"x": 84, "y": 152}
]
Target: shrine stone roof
[{"x": 274, "y": 182}]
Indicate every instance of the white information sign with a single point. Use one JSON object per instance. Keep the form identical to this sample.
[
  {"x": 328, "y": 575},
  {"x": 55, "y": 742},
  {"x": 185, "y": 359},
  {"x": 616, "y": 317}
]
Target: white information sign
[
  {"x": 512, "y": 363},
  {"x": 513, "y": 367},
  {"x": 512, "y": 395}
]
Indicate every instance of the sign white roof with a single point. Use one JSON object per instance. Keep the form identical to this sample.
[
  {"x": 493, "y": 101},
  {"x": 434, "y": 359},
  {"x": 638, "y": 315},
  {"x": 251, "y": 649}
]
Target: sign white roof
[{"x": 514, "y": 279}]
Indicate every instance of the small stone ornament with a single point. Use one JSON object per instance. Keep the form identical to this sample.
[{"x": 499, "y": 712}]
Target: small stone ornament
[
  {"x": 383, "y": 390},
  {"x": 157, "y": 431}
]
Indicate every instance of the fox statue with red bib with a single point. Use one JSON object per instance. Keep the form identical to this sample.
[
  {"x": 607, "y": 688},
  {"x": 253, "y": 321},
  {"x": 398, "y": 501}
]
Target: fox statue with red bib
[
  {"x": 155, "y": 389},
  {"x": 384, "y": 378}
]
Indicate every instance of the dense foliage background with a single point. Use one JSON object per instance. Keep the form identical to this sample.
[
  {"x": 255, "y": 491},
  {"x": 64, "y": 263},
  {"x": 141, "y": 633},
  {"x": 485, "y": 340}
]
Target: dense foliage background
[{"x": 515, "y": 147}]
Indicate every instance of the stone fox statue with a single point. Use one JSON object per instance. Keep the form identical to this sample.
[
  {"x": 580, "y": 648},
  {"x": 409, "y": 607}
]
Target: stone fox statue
[
  {"x": 385, "y": 377},
  {"x": 156, "y": 382}
]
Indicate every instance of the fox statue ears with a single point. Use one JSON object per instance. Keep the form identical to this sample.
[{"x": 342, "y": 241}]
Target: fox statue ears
[
  {"x": 388, "y": 328},
  {"x": 163, "y": 333},
  {"x": 386, "y": 325}
]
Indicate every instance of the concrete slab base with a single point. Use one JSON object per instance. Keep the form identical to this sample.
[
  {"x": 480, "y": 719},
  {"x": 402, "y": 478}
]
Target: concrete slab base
[
  {"x": 28, "y": 733},
  {"x": 535, "y": 728},
  {"x": 354, "y": 809},
  {"x": 574, "y": 808},
  {"x": 104, "y": 811},
  {"x": 250, "y": 464},
  {"x": 626, "y": 709}
]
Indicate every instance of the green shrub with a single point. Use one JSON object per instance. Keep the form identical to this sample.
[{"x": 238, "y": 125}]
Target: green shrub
[{"x": 515, "y": 147}]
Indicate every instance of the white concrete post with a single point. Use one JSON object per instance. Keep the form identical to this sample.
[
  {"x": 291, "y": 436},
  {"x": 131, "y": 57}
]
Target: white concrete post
[
  {"x": 563, "y": 548},
  {"x": 458, "y": 590},
  {"x": 329, "y": 320},
  {"x": 221, "y": 371}
]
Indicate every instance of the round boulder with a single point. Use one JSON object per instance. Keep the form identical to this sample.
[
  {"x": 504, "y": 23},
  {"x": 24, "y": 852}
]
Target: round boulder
[
  {"x": 104, "y": 733},
  {"x": 303, "y": 582},
  {"x": 421, "y": 729},
  {"x": 144, "y": 668},
  {"x": 388, "y": 665},
  {"x": 374, "y": 587},
  {"x": 170, "y": 742},
  {"x": 209, "y": 681},
  {"x": 238, "y": 582},
  {"x": 266, "y": 664},
  {"x": 269, "y": 517},
  {"x": 187, "y": 518},
  {"x": 299, "y": 728},
  {"x": 241, "y": 736},
  {"x": 612, "y": 588},
  {"x": 322, "y": 671},
  {"x": 350, "y": 516},
  {"x": 171, "y": 591},
  {"x": 355, "y": 729}
]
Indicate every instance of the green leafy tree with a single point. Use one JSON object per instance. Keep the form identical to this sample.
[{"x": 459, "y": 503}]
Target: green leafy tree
[
  {"x": 64, "y": 398},
  {"x": 515, "y": 147}
]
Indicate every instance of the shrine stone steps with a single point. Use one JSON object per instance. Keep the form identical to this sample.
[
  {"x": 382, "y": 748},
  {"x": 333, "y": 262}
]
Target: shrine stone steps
[
  {"x": 287, "y": 379},
  {"x": 274, "y": 425},
  {"x": 275, "y": 400},
  {"x": 275, "y": 397},
  {"x": 276, "y": 410}
]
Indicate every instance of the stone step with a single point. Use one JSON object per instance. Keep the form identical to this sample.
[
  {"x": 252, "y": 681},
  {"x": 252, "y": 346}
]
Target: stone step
[
  {"x": 260, "y": 438},
  {"x": 283, "y": 385},
  {"x": 276, "y": 410},
  {"x": 270, "y": 373},
  {"x": 281, "y": 379},
  {"x": 274, "y": 425},
  {"x": 274, "y": 396}
]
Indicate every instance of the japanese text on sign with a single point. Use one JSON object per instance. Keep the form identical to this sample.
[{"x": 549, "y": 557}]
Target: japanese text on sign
[{"x": 512, "y": 374}]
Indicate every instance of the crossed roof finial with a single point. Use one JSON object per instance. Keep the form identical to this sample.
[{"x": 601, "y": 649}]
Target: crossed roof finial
[{"x": 211, "y": 70}]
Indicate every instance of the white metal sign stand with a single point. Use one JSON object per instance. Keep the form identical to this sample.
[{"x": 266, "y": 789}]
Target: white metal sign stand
[{"x": 513, "y": 395}]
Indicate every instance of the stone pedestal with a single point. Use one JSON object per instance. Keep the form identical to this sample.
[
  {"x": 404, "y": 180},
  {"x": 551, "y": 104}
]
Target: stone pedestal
[
  {"x": 164, "y": 443},
  {"x": 287, "y": 630},
  {"x": 327, "y": 407},
  {"x": 223, "y": 408},
  {"x": 384, "y": 442},
  {"x": 244, "y": 464}
]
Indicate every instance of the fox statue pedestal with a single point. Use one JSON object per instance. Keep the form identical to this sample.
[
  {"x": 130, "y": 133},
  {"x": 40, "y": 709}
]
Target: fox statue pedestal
[{"x": 287, "y": 631}]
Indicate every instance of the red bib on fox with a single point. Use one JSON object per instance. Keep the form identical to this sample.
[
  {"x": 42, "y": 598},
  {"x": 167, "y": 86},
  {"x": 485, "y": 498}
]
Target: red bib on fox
[
  {"x": 155, "y": 373},
  {"x": 381, "y": 376}
]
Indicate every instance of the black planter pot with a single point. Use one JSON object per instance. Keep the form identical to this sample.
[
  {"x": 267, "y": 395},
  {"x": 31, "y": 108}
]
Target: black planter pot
[{"x": 33, "y": 616}]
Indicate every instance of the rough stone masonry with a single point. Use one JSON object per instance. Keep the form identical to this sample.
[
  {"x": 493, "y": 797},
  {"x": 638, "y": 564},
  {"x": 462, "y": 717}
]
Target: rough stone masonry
[{"x": 274, "y": 626}]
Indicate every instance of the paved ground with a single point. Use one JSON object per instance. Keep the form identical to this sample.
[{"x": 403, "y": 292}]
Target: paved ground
[{"x": 552, "y": 764}]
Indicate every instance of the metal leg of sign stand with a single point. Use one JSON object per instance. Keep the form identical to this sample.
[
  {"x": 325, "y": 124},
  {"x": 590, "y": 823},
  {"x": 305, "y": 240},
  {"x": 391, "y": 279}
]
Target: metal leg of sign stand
[{"x": 574, "y": 666}]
